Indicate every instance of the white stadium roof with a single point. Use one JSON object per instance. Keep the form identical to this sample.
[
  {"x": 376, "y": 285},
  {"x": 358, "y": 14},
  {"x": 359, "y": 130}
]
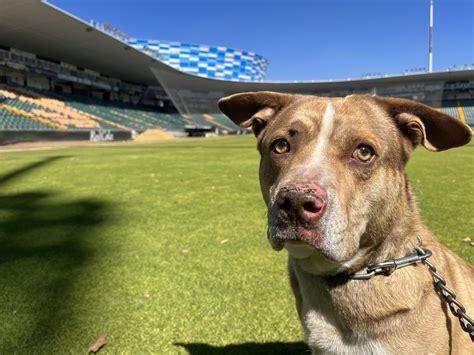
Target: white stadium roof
[{"x": 43, "y": 29}]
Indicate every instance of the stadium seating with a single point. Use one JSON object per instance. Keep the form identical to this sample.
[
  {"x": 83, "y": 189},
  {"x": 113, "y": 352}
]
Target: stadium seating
[
  {"x": 468, "y": 109},
  {"x": 140, "y": 117},
  {"x": 15, "y": 119},
  {"x": 460, "y": 109},
  {"x": 23, "y": 108},
  {"x": 51, "y": 112},
  {"x": 451, "y": 108}
]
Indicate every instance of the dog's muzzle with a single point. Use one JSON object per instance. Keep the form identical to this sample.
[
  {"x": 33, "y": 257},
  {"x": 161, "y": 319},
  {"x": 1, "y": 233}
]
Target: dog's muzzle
[{"x": 295, "y": 214}]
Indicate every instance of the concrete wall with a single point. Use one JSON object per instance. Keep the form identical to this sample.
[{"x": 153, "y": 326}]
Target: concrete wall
[{"x": 14, "y": 136}]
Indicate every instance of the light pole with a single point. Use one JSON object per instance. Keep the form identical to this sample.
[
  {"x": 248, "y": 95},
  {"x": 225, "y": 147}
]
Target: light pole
[{"x": 430, "y": 61}]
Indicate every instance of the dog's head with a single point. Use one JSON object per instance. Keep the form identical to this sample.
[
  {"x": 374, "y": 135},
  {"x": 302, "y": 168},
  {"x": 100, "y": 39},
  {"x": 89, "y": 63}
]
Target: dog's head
[{"x": 332, "y": 169}]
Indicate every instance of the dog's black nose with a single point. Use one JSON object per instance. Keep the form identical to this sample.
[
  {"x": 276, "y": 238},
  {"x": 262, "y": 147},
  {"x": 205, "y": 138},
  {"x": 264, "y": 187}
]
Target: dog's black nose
[{"x": 303, "y": 203}]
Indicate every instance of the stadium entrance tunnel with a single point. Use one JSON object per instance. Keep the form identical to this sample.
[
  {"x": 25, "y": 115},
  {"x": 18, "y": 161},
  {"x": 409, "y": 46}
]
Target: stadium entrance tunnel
[{"x": 45, "y": 244}]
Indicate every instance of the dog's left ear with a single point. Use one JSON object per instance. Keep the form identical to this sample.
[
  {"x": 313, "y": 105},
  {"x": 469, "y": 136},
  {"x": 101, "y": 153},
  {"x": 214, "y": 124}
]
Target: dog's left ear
[
  {"x": 253, "y": 109},
  {"x": 424, "y": 125}
]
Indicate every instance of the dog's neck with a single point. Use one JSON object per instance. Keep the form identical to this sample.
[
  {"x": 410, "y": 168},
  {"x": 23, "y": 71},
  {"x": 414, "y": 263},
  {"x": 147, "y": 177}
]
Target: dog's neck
[
  {"x": 395, "y": 238},
  {"x": 400, "y": 238}
]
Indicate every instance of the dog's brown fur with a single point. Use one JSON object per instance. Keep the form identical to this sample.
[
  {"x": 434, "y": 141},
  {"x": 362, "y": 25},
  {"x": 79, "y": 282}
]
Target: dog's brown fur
[{"x": 371, "y": 216}]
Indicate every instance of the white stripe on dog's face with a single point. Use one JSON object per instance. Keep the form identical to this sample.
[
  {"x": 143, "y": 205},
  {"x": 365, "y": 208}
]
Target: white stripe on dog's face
[
  {"x": 327, "y": 127},
  {"x": 317, "y": 157}
]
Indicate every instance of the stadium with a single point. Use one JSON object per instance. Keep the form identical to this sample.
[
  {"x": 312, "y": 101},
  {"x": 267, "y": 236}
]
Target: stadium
[
  {"x": 58, "y": 82},
  {"x": 101, "y": 240}
]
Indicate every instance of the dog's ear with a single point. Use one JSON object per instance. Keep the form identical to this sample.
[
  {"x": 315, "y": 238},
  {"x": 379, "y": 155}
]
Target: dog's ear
[
  {"x": 424, "y": 125},
  {"x": 253, "y": 109}
]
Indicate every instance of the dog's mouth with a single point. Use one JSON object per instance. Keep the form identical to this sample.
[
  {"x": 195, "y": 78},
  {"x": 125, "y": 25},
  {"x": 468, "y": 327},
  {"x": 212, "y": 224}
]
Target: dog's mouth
[
  {"x": 313, "y": 259},
  {"x": 281, "y": 232},
  {"x": 300, "y": 240},
  {"x": 315, "y": 251},
  {"x": 298, "y": 249}
]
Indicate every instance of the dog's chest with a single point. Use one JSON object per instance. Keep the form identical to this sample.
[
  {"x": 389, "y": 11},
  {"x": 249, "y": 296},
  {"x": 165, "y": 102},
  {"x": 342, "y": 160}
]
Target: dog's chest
[
  {"x": 325, "y": 337},
  {"x": 324, "y": 331}
]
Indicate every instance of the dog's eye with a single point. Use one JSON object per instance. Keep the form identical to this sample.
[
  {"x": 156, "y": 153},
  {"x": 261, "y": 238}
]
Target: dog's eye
[
  {"x": 363, "y": 153},
  {"x": 281, "y": 146}
]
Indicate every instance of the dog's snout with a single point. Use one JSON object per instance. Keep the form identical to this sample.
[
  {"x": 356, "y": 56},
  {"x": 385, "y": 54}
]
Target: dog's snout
[{"x": 301, "y": 203}]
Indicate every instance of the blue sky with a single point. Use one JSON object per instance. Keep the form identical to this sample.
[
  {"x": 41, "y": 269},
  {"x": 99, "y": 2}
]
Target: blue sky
[{"x": 303, "y": 39}]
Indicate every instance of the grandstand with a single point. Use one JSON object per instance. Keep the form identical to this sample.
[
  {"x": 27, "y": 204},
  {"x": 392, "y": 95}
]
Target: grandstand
[
  {"x": 24, "y": 108},
  {"x": 64, "y": 74}
]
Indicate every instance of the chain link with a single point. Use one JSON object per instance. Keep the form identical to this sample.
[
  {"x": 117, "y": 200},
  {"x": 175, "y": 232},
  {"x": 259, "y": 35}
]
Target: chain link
[
  {"x": 448, "y": 296},
  {"x": 421, "y": 256},
  {"x": 389, "y": 266}
]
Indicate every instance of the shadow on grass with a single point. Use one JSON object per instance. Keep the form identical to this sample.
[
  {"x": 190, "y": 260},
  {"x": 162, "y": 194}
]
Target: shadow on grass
[
  {"x": 275, "y": 348},
  {"x": 45, "y": 242}
]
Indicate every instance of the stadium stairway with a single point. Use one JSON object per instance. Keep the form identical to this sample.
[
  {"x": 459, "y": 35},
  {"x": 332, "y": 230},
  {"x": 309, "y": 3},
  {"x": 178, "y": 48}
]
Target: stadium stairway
[
  {"x": 231, "y": 126},
  {"x": 460, "y": 109},
  {"x": 451, "y": 108},
  {"x": 222, "y": 123},
  {"x": 468, "y": 109}
]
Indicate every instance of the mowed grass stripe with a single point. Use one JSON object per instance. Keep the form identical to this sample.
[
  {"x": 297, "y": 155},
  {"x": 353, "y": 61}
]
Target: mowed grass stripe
[{"x": 128, "y": 240}]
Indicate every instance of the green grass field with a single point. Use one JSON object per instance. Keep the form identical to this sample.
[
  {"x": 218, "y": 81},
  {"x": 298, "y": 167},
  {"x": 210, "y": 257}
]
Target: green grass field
[{"x": 163, "y": 247}]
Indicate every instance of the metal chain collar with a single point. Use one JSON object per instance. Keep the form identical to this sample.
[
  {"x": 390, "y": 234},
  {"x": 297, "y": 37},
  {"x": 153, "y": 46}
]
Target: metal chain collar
[
  {"x": 446, "y": 294},
  {"x": 389, "y": 266}
]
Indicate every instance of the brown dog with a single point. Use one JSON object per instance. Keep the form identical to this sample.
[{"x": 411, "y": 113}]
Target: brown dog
[{"x": 332, "y": 173}]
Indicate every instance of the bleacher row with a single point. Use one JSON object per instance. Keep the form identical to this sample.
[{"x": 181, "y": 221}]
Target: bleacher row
[
  {"x": 25, "y": 109},
  {"x": 460, "y": 109}
]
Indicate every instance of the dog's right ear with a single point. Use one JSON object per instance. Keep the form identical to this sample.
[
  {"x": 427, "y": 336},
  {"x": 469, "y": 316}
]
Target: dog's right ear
[{"x": 253, "y": 109}]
